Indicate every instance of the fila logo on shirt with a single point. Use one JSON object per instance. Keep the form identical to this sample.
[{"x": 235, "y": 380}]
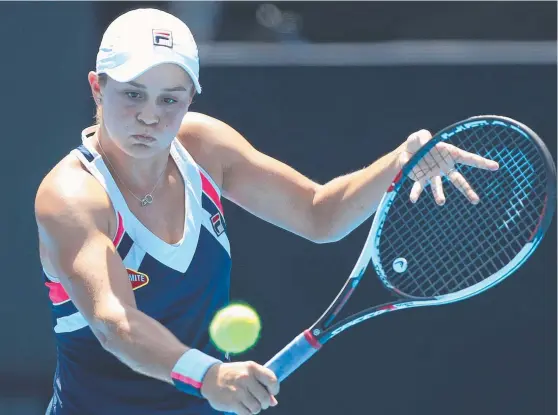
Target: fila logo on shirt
[
  {"x": 217, "y": 222},
  {"x": 162, "y": 38}
]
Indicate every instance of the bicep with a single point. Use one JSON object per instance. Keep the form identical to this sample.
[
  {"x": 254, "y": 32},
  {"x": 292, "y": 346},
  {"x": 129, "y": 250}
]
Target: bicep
[
  {"x": 262, "y": 185},
  {"x": 270, "y": 189}
]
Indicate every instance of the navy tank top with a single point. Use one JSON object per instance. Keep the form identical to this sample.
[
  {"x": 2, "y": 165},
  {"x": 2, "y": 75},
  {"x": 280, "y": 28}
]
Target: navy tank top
[{"x": 180, "y": 285}]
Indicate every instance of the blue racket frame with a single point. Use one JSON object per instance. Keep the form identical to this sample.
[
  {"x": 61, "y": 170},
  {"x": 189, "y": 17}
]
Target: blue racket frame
[{"x": 307, "y": 343}]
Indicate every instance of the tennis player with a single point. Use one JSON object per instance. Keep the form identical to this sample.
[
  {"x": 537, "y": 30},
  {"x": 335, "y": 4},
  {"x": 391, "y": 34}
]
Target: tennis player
[{"x": 133, "y": 241}]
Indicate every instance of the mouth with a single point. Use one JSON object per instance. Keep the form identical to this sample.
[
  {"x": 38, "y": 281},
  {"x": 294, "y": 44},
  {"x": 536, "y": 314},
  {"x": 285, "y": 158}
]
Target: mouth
[{"x": 143, "y": 137}]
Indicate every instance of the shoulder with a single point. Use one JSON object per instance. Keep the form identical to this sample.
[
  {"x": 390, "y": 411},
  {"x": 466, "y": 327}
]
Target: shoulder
[
  {"x": 202, "y": 129},
  {"x": 69, "y": 194},
  {"x": 214, "y": 144}
]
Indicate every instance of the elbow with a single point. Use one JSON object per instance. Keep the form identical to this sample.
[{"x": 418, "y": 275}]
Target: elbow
[
  {"x": 323, "y": 228},
  {"x": 323, "y": 232},
  {"x": 112, "y": 328},
  {"x": 326, "y": 238}
]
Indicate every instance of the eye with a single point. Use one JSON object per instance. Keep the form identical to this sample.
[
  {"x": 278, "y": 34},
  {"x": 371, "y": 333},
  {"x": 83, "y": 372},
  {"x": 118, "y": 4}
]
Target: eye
[
  {"x": 169, "y": 101},
  {"x": 133, "y": 95}
]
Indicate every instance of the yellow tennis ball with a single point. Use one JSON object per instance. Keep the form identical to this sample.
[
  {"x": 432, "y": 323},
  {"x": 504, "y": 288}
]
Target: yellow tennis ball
[{"x": 235, "y": 328}]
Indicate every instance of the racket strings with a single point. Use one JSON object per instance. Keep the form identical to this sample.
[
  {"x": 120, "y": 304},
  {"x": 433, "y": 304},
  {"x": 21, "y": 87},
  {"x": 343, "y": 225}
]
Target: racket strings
[
  {"x": 519, "y": 162},
  {"x": 446, "y": 241},
  {"x": 427, "y": 247},
  {"x": 449, "y": 248}
]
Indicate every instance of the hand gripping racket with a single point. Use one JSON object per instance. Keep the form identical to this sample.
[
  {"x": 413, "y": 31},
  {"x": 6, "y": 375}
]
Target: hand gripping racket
[{"x": 428, "y": 254}]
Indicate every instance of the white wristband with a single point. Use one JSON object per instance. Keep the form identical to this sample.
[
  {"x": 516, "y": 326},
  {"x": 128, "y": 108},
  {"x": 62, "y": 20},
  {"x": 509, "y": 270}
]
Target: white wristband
[{"x": 188, "y": 372}]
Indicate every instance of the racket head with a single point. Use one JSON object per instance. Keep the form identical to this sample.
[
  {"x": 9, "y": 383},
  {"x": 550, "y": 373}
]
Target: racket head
[{"x": 423, "y": 251}]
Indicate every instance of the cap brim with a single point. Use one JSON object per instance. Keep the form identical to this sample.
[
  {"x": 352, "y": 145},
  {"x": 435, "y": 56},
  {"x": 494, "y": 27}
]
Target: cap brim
[{"x": 133, "y": 68}]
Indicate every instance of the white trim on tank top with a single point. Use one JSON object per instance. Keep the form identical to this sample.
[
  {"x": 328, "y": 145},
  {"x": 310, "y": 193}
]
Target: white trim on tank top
[{"x": 179, "y": 255}]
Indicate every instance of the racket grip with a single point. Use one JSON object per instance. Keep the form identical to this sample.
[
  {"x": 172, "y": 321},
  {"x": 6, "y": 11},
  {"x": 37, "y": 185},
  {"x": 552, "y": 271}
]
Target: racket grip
[{"x": 293, "y": 355}]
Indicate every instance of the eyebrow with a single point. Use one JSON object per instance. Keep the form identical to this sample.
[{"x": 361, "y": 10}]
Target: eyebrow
[{"x": 174, "y": 88}]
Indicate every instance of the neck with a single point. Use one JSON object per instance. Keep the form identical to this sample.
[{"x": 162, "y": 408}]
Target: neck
[{"x": 138, "y": 174}]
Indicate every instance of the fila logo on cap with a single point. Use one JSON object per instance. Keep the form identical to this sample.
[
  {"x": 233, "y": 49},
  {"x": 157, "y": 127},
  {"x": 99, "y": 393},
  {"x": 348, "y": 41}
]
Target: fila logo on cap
[{"x": 162, "y": 38}]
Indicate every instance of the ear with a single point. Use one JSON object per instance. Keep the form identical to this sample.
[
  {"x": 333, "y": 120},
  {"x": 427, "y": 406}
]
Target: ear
[{"x": 93, "y": 79}]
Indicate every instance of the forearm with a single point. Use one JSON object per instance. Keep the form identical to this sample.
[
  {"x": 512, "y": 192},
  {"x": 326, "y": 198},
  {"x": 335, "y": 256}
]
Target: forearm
[
  {"x": 143, "y": 344},
  {"x": 345, "y": 202}
]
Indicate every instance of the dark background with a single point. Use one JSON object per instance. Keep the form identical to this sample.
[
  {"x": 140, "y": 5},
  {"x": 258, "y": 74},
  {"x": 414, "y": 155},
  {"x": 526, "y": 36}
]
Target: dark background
[{"x": 494, "y": 354}]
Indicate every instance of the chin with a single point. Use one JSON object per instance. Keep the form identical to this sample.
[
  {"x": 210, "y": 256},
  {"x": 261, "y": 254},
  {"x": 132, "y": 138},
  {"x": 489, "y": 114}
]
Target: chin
[
  {"x": 138, "y": 149},
  {"x": 141, "y": 151}
]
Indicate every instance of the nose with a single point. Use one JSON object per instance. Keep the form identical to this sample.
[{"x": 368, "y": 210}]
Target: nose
[{"x": 148, "y": 115}]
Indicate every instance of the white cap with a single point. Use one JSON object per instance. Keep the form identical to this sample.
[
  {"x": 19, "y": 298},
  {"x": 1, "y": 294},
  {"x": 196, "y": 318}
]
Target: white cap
[{"x": 143, "y": 38}]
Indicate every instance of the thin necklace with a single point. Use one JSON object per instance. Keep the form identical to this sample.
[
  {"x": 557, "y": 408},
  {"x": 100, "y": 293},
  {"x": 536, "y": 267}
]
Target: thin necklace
[{"x": 148, "y": 198}]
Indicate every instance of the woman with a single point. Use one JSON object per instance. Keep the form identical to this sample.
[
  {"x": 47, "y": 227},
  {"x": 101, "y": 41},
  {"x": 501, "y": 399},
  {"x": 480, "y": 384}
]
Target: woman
[{"x": 133, "y": 240}]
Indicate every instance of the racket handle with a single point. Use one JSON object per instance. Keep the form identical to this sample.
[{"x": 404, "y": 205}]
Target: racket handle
[{"x": 293, "y": 355}]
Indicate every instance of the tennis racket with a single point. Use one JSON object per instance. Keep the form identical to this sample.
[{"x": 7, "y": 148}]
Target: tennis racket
[{"x": 428, "y": 254}]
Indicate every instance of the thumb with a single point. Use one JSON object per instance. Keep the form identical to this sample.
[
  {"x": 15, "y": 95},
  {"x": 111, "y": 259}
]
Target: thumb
[{"x": 418, "y": 139}]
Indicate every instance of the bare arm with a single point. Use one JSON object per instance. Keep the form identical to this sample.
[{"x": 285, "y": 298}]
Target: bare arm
[
  {"x": 279, "y": 194},
  {"x": 347, "y": 201},
  {"x": 73, "y": 216}
]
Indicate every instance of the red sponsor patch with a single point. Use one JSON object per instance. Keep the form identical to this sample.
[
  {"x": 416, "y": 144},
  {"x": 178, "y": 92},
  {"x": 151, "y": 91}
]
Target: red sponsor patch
[{"x": 137, "y": 279}]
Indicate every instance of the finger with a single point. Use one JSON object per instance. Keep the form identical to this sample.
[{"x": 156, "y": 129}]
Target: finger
[
  {"x": 474, "y": 160},
  {"x": 464, "y": 187},
  {"x": 433, "y": 162},
  {"x": 444, "y": 154},
  {"x": 250, "y": 402},
  {"x": 267, "y": 378},
  {"x": 426, "y": 167},
  {"x": 273, "y": 401},
  {"x": 416, "y": 190},
  {"x": 438, "y": 190},
  {"x": 239, "y": 409},
  {"x": 259, "y": 392}
]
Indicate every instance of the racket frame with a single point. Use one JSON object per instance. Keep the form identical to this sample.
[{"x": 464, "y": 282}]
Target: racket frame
[{"x": 310, "y": 341}]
